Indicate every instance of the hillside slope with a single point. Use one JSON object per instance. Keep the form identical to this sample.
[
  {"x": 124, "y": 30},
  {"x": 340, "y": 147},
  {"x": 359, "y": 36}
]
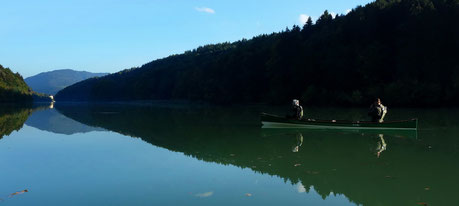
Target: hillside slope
[
  {"x": 53, "y": 81},
  {"x": 404, "y": 51},
  {"x": 13, "y": 89}
]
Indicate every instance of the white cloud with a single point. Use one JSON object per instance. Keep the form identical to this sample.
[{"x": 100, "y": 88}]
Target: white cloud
[
  {"x": 205, "y": 10},
  {"x": 349, "y": 10},
  {"x": 333, "y": 14},
  {"x": 205, "y": 194},
  {"x": 300, "y": 188},
  {"x": 303, "y": 18}
]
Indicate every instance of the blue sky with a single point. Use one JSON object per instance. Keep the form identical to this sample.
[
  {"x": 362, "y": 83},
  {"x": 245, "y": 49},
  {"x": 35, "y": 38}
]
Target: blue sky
[{"x": 112, "y": 35}]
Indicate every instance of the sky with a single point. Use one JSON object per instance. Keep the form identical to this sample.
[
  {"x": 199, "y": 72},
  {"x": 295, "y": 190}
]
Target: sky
[{"x": 112, "y": 35}]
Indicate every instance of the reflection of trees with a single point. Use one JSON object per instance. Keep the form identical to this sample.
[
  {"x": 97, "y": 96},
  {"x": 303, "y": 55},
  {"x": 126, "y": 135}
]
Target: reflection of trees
[
  {"x": 337, "y": 162},
  {"x": 12, "y": 118}
]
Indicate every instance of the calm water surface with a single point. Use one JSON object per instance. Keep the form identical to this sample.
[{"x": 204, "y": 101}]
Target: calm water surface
[{"x": 195, "y": 155}]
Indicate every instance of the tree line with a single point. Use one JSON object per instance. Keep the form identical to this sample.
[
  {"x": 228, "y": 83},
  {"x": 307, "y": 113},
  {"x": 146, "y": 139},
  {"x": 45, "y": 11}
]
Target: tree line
[{"x": 403, "y": 51}]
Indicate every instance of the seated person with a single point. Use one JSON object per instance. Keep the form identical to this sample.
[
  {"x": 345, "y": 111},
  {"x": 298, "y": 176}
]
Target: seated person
[
  {"x": 377, "y": 111},
  {"x": 297, "y": 110}
]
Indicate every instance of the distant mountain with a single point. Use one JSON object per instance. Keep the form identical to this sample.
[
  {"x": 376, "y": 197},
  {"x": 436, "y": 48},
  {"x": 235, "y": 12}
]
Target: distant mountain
[
  {"x": 14, "y": 89},
  {"x": 404, "y": 51},
  {"x": 53, "y": 81}
]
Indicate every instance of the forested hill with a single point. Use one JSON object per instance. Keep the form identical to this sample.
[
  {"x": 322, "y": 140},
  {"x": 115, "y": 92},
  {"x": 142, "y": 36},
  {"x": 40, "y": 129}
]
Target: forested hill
[
  {"x": 53, "y": 81},
  {"x": 404, "y": 51},
  {"x": 14, "y": 89}
]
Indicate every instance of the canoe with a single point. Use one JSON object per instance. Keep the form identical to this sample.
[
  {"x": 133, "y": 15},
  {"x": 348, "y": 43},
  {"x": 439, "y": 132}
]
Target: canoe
[
  {"x": 313, "y": 132},
  {"x": 273, "y": 121}
]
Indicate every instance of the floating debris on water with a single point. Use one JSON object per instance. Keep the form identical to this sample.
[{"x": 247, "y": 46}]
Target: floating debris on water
[
  {"x": 205, "y": 194},
  {"x": 248, "y": 194},
  {"x": 296, "y": 165},
  {"x": 232, "y": 155},
  {"x": 18, "y": 193},
  {"x": 426, "y": 188},
  {"x": 422, "y": 203}
]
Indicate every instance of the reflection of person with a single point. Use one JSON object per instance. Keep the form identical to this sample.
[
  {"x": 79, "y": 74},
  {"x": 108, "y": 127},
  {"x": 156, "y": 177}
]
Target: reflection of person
[
  {"x": 297, "y": 110},
  {"x": 377, "y": 111},
  {"x": 299, "y": 142},
  {"x": 382, "y": 146},
  {"x": 18, "y": 193}
]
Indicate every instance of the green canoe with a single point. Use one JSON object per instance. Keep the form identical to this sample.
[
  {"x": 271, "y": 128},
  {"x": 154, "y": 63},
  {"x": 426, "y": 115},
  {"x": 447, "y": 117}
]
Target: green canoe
[{"x": 273, "y": 121}]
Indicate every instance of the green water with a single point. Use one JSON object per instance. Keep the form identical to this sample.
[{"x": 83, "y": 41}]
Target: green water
[{"x": 175, "y": 154}]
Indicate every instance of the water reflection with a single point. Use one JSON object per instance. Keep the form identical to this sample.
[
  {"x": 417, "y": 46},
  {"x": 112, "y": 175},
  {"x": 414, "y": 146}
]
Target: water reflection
[
  {"x": 382, "y": 146},
  {"x": 52, "y": 121},
  {"x": 299, "y": 142},
  {"x": 331, "y": 162},
  {"x": 41, "y": 116},
  {"x": 12, "y": 117}
]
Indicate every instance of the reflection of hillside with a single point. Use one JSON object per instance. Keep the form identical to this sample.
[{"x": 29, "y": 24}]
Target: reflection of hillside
[
  {"x": 338, "y": 162},
  {"x": 53, "y": 121},
  {"x": 12, "y": 118}
]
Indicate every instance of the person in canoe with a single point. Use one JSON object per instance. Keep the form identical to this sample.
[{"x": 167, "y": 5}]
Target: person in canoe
[
  {"x": 377, "y": 111},
  {"x": 297, "y": 110}
]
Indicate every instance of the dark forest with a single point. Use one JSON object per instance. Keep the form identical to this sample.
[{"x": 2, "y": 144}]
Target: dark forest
[{"x": 403, "y": 51}]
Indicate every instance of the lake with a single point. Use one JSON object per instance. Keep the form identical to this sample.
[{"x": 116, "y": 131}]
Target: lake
[{"x": 176, "y": 154}]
